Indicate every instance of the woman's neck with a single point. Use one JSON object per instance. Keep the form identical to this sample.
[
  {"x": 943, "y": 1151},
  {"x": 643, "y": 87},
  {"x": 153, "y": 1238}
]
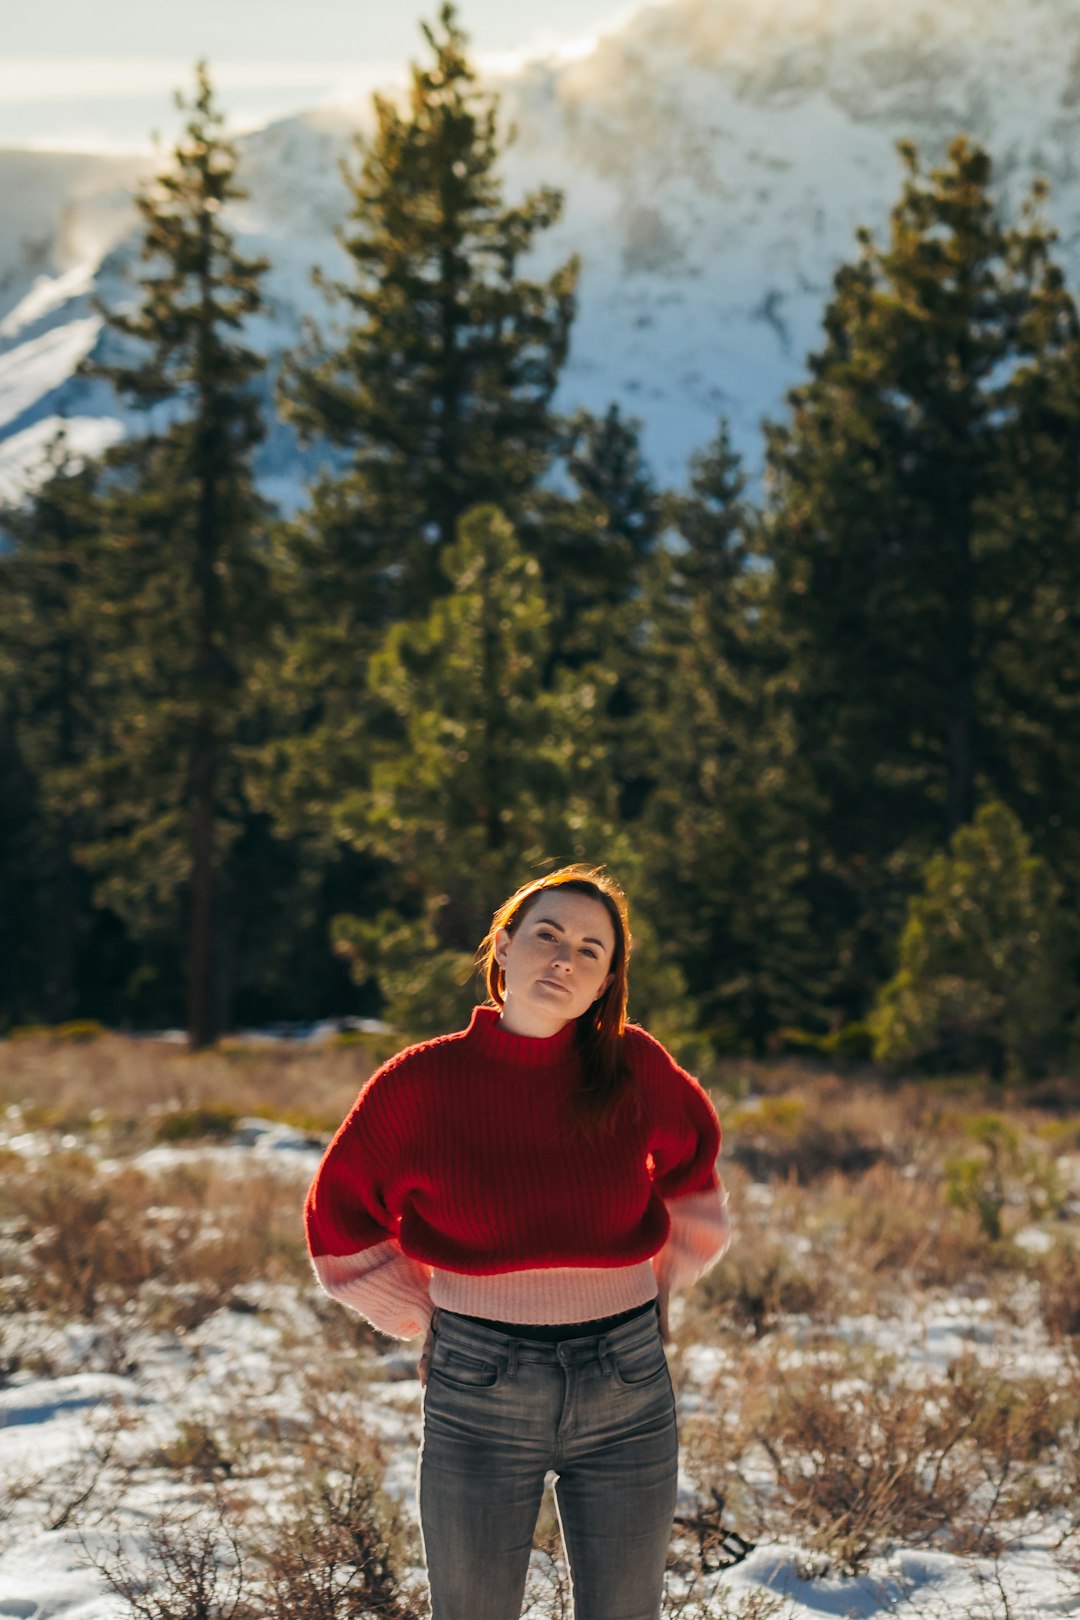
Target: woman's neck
[{"x": 528, "y": 1022}]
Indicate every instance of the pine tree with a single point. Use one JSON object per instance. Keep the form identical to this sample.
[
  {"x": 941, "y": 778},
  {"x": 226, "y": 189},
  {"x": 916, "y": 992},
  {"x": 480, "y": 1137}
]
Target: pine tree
[
  {"x": 594, "y": 540},
  {"x": 724, "y": 820},
  {"x": 433, "y": 391},
  {"x": 48, "y": 587},
  {"x": 478, "y": 773},
  {"x": 188, "y": 604},
  {"x": 894, "y": 576},
  {"x": 440, "y": 389},
  {"x": 605, "y": 461},
  {"x": 983, "y": 958}
]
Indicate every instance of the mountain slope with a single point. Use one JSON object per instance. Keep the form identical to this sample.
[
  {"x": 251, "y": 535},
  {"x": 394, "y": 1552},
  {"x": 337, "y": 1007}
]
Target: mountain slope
[{"x": 716, "y": 159}]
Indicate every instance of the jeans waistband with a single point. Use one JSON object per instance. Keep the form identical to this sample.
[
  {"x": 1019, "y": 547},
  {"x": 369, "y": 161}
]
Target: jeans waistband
[
  {"x": 583, "y": 1347},
  {"x": 557, "y": 1331}
]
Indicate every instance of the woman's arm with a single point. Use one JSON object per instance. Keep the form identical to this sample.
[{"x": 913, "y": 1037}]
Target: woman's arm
[
  {"x": 684, "y": 1149},
  {"x": 700, "y": 1234},
  {"x": 351, "y": 1220},
  {"x": 381, "y": 1284}
]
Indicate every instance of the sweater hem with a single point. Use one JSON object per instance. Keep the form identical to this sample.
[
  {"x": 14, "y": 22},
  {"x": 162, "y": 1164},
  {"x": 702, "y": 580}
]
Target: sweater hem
[{"x": 546, "y": 1295}]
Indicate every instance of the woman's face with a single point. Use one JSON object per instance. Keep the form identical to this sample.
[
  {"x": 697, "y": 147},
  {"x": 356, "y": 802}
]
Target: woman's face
[{"x": 557, "y": 961}]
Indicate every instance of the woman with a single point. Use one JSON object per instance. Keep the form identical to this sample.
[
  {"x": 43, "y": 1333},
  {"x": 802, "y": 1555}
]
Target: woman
[{"x": 526, "y": 1192}]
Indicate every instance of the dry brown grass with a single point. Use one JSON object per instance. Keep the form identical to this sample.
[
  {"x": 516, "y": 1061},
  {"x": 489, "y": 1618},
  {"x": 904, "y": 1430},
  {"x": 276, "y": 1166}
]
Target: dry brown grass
[
  {"x": 82, "y": 1239},
  {"x": 844, "y": 1245},
  {"x": 816, "y": 1125},
  {"x": 73, "y": 1086},
  {"x": 889, "y": 1227},
  {"x": 852, "y": 1212},
  {"x": 1059, "y": 1293}
]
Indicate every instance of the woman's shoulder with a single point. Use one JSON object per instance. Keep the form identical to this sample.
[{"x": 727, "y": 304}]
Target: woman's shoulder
[
  {"x": 650, "y": 1058},
  {"x": 421, "y": 1057},
  {"x": 676, "y": 1094},
  {"x": 645, "y": 1051}
]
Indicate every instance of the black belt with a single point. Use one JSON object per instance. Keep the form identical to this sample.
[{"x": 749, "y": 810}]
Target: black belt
[{"x": 552, "y": 1332}]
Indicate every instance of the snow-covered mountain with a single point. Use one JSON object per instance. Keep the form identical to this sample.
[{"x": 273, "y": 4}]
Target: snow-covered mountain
[{"x": 716, "y": 157}]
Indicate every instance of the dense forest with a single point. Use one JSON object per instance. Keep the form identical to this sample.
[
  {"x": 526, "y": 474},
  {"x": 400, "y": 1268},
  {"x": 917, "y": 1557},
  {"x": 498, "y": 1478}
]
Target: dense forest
[{"x": 259, "y": 768}]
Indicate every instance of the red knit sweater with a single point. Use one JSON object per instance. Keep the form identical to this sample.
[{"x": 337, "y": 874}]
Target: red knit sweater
[{"x": 456, "y": 1159}]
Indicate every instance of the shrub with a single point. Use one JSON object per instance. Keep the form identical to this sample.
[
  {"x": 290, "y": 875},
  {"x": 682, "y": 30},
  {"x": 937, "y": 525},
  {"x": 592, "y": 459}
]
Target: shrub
[
  {"x": 854, "y": 1042},
  {"x": 76, "y": 1029},
  {"x": 193, "y": 1568},
  {"x": 858, "y": 1461},
  {"x": 983, "y": 976},
  {"x": 984, "y": 1181},
  {"x": 196, "y": 1450},
  {"x": 886, "y": 1221},
  {"x": 88, "y": 1243},
  {"x": 179, "y": 1244},
  {"x": 186, "y": 1124},
  {"x": 331, "y": 1556},
  {"x": 762, "y": 1280},
  {"x": 1059, "y": 1292},
  {"x": 781, "y": 1136}
]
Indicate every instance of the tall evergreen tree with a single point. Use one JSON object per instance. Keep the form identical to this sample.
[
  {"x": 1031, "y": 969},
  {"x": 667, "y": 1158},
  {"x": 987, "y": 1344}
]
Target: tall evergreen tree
[
  {"x": 982, "y": 974},
  {"x": 48, "y": 588},
  {"x": 894, "y": 577},
  {"x": 441, "y": 386},
  {"x": 593, "y": 539},
  {"x": 723, "y": 824},
  {"x": 187, "y": 604},
  {"x": 478, "y": 772},
  {"x": 434, "y": 388}
]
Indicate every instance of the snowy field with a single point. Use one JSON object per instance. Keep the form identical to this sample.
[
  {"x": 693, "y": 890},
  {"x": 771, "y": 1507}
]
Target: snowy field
[{"x": 879, "y": 1387}]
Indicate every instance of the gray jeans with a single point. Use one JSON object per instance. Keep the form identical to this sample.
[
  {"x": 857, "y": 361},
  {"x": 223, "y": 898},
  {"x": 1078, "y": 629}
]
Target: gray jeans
[{"x": 498, "y": 1413}]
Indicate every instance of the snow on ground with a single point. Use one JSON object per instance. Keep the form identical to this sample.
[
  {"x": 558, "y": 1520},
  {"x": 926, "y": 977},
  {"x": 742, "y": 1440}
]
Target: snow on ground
[{"x": 246, "y": 1358}]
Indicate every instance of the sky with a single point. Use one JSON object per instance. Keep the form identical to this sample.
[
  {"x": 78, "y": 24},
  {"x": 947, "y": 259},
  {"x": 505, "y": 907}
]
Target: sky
[{"x": 111, "y": 84}]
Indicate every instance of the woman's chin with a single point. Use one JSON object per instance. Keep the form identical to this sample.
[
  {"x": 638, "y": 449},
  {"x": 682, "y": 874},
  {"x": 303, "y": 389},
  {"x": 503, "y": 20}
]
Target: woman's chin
[{"x": 554, "y": 1003}]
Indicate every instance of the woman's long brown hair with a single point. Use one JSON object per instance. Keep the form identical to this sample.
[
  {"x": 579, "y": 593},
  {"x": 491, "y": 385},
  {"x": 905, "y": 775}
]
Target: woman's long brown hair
[{"x": 607, "y": 1083}]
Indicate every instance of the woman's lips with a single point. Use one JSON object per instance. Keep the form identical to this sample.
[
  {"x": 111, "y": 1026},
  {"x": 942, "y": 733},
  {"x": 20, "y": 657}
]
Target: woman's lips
[{"x": 553, "y": 984}]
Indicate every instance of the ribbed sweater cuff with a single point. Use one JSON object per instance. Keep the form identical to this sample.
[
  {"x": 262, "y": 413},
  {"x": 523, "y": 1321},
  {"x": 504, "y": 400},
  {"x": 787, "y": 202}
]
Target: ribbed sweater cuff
[
  {"x": 700, "y": 1234},
  {"x": 382, "y": 1285}
]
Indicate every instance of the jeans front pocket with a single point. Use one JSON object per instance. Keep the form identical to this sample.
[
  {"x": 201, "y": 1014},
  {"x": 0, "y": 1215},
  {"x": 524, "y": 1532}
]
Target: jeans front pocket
[
  {"x": 459, "y": 1370},
  {"x": 637, "y": 1364}
]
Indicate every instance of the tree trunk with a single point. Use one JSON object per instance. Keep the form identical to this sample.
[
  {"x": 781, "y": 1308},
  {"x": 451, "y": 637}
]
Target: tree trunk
[
  {"x": 202, "y": 1000},
  {"x": 202, "y": 780}
]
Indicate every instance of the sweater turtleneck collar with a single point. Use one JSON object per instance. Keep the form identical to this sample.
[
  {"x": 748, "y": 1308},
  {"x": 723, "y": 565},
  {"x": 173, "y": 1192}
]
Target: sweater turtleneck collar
[{"x": 487, "y": 1034}]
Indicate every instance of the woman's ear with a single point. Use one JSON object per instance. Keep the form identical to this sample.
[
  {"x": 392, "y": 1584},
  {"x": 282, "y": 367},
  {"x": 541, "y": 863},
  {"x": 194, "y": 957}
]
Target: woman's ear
[
  {"x": 502, "y": 945},
  {"x": 603, "y": 988}
]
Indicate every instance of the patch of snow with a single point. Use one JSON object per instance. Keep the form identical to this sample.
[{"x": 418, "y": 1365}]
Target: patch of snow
[
  {"x": 1034, "y": 1240},
  {"x": 41, "y": 364},
  {"x": 23, "y": 460},
  {"x": 47, "y": 294},
  {"x": 297, "y": 1156},
  {"x": 41, "y": 1400}
]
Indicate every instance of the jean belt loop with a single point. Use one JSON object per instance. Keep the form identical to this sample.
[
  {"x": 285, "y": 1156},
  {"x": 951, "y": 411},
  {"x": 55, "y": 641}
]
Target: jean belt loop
[
  {"x": 603, "y": 1355},
  {"x": 511, "y": 1365},
  {"x": 435, "y": 1320}
]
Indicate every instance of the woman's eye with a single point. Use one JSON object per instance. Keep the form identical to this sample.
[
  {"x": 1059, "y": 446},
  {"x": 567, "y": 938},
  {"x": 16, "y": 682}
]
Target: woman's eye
[{"x": 590, "y": 953}]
